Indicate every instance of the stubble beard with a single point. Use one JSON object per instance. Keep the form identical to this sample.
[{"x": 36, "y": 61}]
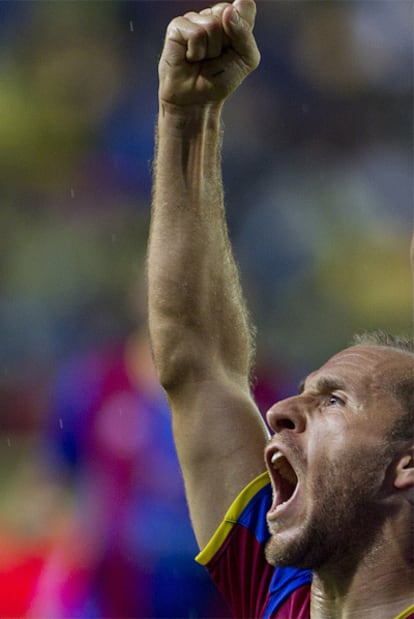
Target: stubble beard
[{"x": 344, "y": 520}]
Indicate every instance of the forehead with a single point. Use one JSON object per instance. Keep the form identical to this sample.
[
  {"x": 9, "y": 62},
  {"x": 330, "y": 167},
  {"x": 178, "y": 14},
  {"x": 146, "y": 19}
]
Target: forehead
[{"x": 367, "y": 372}]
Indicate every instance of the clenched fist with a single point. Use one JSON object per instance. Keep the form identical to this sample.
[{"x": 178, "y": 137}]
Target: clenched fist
[{"x": 208, "y": 54}]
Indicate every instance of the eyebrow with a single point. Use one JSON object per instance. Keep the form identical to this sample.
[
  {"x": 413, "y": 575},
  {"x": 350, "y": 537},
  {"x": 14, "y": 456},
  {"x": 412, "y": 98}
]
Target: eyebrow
[{"x": 324, "y": 385}]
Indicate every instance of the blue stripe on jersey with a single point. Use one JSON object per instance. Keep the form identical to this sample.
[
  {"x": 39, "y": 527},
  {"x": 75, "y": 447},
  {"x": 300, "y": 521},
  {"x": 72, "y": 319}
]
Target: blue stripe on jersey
[
  {"x": 253, "y": 516},
  {"x": 285, "y": 579}
]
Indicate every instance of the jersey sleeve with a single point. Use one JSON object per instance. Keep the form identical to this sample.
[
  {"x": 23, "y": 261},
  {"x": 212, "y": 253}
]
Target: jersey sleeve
[
  {"x": 408, "y": 613},
  {"x": 235, "y": 559},
  {"x": 235, "y": 556}
]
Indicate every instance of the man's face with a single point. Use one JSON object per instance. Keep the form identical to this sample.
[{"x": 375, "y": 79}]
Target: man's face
[{"x": 328, "y": 459}]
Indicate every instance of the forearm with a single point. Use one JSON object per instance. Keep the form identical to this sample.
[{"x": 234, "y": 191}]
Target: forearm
[{"x": 197, "y": 314}]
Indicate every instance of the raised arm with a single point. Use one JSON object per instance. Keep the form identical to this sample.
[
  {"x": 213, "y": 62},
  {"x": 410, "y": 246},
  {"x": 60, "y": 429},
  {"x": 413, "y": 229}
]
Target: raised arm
[{"x": 200, "y": 332}]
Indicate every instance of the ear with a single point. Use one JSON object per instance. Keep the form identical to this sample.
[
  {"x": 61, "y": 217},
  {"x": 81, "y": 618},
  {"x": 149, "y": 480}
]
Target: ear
[{"x": 404, "y": 474}]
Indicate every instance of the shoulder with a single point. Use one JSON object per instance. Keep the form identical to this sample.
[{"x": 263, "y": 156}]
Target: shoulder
[{"x": 236, "y": 560}]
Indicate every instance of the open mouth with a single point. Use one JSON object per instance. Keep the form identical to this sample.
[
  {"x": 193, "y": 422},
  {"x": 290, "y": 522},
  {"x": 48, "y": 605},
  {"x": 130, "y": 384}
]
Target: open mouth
[{"x": 285, "y": 480}]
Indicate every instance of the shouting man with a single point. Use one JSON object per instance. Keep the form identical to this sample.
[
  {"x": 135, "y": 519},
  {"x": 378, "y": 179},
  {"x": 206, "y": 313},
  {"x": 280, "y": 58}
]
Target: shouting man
[{"x": 326, "y": 531}]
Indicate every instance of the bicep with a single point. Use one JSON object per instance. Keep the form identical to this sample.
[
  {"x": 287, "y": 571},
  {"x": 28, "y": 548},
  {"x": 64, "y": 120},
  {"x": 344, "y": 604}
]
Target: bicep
[{"x": 220, "y": 437}]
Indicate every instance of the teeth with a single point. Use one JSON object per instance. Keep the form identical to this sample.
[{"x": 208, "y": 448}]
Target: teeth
[
  {"x": 276, "y": 456},
  {"x": 281, "y": 465}
]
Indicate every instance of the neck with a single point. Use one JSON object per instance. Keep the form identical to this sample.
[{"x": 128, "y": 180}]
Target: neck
[
  {"x": 381, "y": 598},
  {"x": 378, "y": 585}
]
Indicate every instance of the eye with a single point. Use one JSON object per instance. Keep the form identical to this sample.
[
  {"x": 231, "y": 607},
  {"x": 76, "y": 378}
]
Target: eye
[{"x": 335, "y": 400}]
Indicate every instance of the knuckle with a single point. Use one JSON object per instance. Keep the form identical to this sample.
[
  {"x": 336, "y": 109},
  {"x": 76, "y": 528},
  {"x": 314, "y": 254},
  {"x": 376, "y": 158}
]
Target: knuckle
[
  {"x": 174, "y": 26},
  {"x": 175, "y": 23},
  {"x": 206, "y": 21},
  {"x": 220, "y": 6},
  {"x": 199, "y": 34}
]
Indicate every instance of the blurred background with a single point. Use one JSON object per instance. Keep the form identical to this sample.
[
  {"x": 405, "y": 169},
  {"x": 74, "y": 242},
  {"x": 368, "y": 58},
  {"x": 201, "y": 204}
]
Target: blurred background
[{"x": 318, "y": 169}]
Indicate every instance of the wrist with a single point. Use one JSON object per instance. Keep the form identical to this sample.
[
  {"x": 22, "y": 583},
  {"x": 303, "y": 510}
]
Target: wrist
[{"x": 190, "y": 118}]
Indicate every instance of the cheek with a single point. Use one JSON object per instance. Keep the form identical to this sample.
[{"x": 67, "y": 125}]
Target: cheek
[
  {"x": 342, "y": 458},
  {"x": 334, "y": 457},
  {"x": 352, "y": 475},
  {"x": 340, "y": 436},
  {"x": 328, "y": 442}
]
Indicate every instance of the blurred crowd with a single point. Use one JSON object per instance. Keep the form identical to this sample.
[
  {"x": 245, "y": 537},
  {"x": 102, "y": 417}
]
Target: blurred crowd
[{"x": 318, "y": 175}]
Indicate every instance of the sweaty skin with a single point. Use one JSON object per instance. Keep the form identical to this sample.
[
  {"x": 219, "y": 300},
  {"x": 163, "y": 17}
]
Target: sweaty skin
[{"x": 203, "y": 348}]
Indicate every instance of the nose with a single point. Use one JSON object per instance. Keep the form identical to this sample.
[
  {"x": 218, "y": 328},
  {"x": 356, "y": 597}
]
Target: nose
[{"x": 287, "y": 415}]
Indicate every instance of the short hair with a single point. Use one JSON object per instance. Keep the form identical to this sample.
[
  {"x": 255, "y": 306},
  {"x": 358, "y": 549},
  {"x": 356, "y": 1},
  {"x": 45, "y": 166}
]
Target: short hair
[
  {"x": 403, "y": 429},
  {"x": 381, "y": 338}
]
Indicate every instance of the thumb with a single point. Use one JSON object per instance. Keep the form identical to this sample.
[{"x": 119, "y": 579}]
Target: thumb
[
  {"x": 247, "y": 11},
  {"x": 238, "y": 21}
]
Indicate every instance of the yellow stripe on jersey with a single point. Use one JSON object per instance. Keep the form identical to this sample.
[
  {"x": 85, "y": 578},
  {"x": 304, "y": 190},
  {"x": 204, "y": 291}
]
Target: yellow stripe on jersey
[
  {"x": 405, "y": 613},
  {"x": 231, "y": 518}
]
